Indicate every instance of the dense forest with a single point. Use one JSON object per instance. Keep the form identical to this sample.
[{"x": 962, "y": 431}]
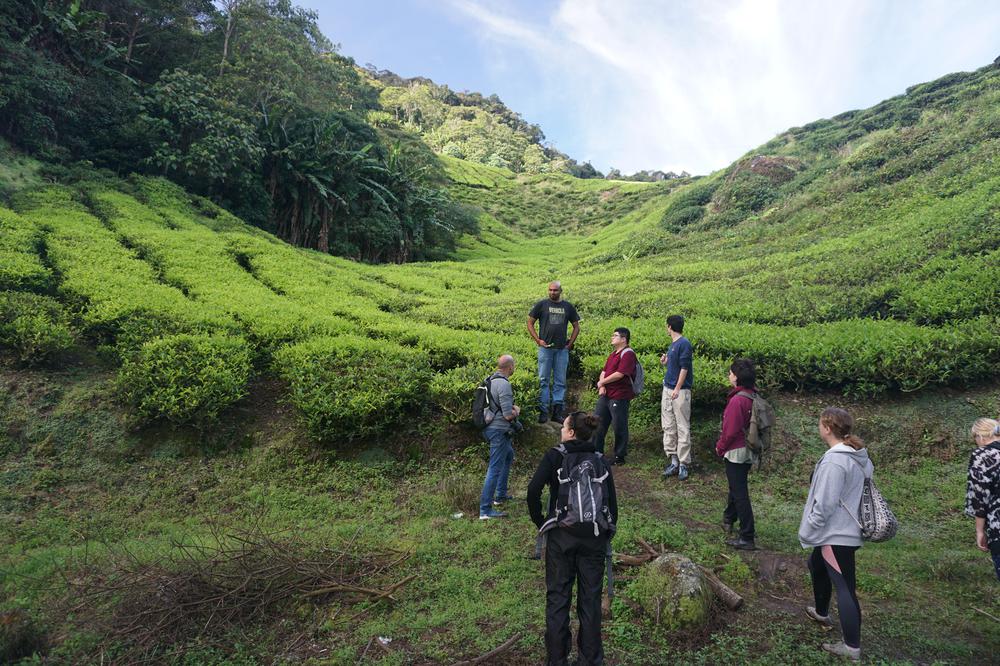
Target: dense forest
[{"x": 243, "y": 101}]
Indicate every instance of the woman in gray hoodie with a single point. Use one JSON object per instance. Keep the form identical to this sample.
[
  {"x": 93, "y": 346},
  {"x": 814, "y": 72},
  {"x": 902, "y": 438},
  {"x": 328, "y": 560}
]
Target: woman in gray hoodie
[{"x": 830, "y": 526}]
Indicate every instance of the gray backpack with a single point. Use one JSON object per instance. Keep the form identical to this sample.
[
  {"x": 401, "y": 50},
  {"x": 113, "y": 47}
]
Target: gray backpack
[
  {"x": 758, "y": 433},
  {"x": 639, "y": 381},
  {"x": 582, "y": 502}
]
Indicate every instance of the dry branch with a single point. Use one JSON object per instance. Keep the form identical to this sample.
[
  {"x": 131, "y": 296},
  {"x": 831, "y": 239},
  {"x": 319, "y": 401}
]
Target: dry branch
[
  {"x": 726, "y": 594},
  {"x": 496, "y": 652},
  {"x": 208, "y": 591}
]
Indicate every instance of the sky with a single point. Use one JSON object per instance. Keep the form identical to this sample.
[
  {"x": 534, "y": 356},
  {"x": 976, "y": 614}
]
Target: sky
[{"x": 675, "y": 85}]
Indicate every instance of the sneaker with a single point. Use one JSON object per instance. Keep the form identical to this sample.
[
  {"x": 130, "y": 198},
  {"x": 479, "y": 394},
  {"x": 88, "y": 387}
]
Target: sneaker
[
  {"x": 742, "y": 544},
  {"x": 670, "y": 470},
  {"x": 823, "y": 620},
  {"x": 682, "y": 473},
  {"x": 618, "y": 461},
  {"x": 491, "y": 514},
  {"x": 843, "y": 650},
  {"x": 557, "y": 413},
  {"x": 502, "y": 500}
]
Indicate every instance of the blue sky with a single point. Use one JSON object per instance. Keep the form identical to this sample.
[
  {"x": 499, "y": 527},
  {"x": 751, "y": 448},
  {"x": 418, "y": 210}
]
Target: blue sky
[{"x": 672, "y": 85}]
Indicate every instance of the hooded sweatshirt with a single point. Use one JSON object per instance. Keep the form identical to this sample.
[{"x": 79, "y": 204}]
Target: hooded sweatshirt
[
  {"x": 838, "y": 478},
  {"x": 547, "y": 474}
]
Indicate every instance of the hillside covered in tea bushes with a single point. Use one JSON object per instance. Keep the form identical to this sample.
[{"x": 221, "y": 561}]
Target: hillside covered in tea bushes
[
  {"x": 857, "y": 254},
  {"x": 161, "y": 356}
]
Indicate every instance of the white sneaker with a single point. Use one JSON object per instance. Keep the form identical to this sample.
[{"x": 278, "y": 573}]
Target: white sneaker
[
  {"x": 823, "y": 620},
  {"x": 843, "y": 650}
]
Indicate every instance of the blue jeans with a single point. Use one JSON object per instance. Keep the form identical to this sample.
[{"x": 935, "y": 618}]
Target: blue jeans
[
  {"x": 498, "y": 470},
  {"x": 552, "y": 361}
]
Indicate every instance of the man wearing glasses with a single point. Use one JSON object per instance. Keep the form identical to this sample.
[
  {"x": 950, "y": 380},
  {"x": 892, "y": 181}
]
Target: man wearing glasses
[
  {"x": 553, "y": 315},
  {"x": 614, "y": 390}
]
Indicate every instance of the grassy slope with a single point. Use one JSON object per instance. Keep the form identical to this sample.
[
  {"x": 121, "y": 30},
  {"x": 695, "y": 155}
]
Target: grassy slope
[{"x": 878, "y": 255}]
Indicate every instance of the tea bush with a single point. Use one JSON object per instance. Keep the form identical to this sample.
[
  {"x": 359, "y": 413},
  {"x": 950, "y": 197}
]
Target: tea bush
[
  {"x": 349, "y": 387},
  {"x": 187, "y": 377},
  {"x": 34, "y": 327},
  {"x": 21, "y": 267}
]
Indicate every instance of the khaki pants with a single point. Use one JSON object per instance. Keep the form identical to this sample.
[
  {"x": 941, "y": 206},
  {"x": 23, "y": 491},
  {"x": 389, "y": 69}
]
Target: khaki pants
[{"x": 675, "y": 417}]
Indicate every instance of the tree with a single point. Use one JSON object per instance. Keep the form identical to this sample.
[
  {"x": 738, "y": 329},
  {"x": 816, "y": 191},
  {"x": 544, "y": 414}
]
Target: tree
[{"x": 195, "y": 137}]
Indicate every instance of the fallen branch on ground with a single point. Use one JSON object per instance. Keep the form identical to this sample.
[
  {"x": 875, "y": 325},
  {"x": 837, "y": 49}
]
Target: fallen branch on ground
[{"x": 492, "y": 653}]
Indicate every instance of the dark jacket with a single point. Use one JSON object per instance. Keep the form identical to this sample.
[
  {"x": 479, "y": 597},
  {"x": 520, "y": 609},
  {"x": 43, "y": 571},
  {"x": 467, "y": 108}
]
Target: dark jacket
[
  {"x": 547, "y": 474},
  {"x": 735, "y": 421}
]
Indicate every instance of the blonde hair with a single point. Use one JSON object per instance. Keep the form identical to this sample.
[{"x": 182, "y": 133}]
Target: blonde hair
[
  {"x": 840, "y": 424},
  {"x": 985, "y": 428}
]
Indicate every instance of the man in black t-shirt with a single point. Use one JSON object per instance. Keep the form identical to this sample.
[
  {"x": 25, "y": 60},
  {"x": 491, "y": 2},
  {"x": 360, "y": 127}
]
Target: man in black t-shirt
[{"x": 553, "y": 316}]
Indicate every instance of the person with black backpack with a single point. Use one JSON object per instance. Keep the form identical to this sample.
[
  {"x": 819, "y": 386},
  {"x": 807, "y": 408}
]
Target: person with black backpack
[
  {"x": 499, "y": 414},
  {"x": 732, "y": 446},
  {"x": 581, "y": 519}
]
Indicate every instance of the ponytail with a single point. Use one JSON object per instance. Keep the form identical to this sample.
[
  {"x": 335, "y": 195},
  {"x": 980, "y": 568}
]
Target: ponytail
[{"x": 841, "y": 423}]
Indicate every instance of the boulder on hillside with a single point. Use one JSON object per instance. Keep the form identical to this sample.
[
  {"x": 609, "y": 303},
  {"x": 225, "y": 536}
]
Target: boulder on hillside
[{"x": 673, "y": 592}]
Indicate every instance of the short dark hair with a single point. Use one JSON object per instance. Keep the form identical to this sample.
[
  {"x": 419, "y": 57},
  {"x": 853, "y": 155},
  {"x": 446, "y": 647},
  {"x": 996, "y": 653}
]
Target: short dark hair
[
  {"x": 676, "y": 323},
  {"x": 745, "y": 371},
  {"x": 624, "y": 332}
]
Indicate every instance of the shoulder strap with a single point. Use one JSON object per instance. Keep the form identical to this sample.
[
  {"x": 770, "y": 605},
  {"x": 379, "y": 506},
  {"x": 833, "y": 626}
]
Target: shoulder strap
[
  {"x": 851, "y": 458},
  {"x": 746, "y": 394}
]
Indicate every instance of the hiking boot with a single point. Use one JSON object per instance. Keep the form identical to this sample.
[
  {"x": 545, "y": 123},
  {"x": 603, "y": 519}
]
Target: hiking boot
[
  {"x": 742, "y": 544},
  {"x": 618, "y": 461},
  {"x": 823, "y": 621},
  {"x": 670, "y": 470},
  {"x": 557, "y": 413},
  {"x": 727, "y": 527},
  {"x": 843, "y": 650},
  {"x": 682, "y": 473},
  {"x": 489, "y": 515},
  {"x": 543, "y": 417}
]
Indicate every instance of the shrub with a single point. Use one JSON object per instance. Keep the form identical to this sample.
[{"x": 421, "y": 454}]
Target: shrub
[
  {"x": 346, "y": 388},
  {"x": 187, "y": 377},
  {"x": 20, "y": 265},
  {"x": 34, "y": 327}
]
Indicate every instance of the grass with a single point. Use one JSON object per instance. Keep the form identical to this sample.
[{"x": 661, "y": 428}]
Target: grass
[{"x": 81, "y": 479}]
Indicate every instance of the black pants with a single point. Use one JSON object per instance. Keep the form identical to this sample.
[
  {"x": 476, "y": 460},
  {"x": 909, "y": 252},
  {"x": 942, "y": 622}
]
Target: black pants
[
  {"x": 739, "y": 499},
  {"x": 613, "y": 413},
  {"x": 570, "y": 558},
  {"x": 833, "y": 566}
]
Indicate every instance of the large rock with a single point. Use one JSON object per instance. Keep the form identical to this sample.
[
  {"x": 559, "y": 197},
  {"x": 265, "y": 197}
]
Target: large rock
[{"x": 671, "y": 589}]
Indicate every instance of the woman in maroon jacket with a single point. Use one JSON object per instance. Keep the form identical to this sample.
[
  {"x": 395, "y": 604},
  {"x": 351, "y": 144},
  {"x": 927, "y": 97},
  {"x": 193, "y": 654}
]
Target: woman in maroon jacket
[{"x": 732, "y": 446}]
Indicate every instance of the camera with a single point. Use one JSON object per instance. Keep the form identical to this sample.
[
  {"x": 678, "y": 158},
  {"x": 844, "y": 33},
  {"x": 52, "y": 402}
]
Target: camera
[{"x": 516, "y": 425}]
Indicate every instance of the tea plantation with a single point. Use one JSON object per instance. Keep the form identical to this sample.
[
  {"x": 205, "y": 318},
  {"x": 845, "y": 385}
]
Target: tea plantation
[{"x": 168, "y": 368}]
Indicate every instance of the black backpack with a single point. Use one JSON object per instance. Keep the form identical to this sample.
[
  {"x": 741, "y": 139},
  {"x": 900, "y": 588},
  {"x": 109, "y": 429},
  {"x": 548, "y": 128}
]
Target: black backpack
[
  {"x": 483, "y": 400},
  {"x": 582, "y": 503}
]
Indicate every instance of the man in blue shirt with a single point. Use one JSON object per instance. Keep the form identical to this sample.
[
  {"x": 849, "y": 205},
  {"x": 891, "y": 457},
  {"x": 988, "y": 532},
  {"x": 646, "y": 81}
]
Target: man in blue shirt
[{"x": 675, "y": 404}]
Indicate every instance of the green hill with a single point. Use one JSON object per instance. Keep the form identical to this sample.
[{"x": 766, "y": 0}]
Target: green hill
[{"x": 144, "y": 327}]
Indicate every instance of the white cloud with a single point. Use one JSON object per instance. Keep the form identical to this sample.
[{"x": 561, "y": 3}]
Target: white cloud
[{"x": 694, "y": 84}]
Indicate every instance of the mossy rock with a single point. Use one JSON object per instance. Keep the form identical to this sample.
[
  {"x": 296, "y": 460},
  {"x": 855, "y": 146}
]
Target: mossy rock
[{"x": 673, "y": 584}]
